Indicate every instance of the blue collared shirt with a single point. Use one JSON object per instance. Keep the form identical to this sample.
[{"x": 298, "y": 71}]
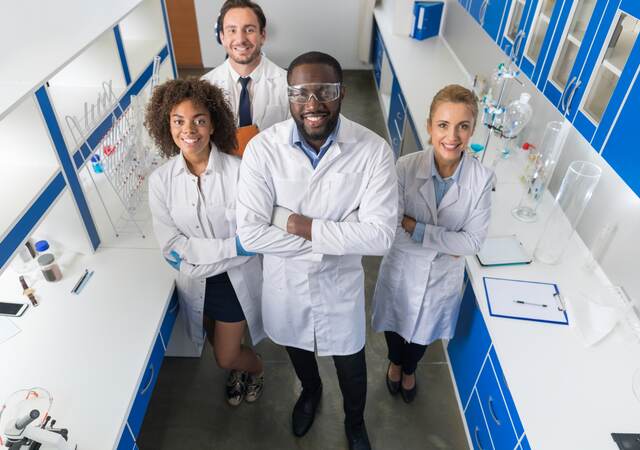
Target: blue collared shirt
[
  {"x": 308, "y": 150},
  {"x": 441, "y": 186}
]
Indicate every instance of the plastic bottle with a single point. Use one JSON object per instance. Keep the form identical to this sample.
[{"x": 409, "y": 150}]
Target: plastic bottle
[
  {"x": 517, "y": 116},
  {"x": 96, "y": 164}
]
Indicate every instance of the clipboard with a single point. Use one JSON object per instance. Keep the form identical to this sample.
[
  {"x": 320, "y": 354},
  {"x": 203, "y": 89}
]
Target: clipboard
[
  {"x": 502, "y": 251},
  {"x": 525, "y": 300},
  {"x": 244, "y": 135}
]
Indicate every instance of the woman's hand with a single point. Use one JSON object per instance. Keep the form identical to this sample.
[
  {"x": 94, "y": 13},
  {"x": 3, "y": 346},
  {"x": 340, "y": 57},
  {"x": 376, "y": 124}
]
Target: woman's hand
[{"x": 409, "y": 224}]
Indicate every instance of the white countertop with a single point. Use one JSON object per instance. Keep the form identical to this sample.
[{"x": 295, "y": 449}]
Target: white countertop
[
  {"x": 89, "y": 350},
  {"x": 568, "y": 396}
]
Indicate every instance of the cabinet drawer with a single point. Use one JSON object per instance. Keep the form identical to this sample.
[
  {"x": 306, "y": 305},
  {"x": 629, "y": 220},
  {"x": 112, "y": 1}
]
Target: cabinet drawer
[
  {"x": 140, "y": 403},
  {"x": 127, "y": 441},
  {"x": 170, "y": 318},
  {"x": 524, "y": 444},
  {"x": 511, "y": 405},
  {"x": 495, "y": 409},
  {"x": 477, "y": 426},
  {"x": 469, "y": 346}
]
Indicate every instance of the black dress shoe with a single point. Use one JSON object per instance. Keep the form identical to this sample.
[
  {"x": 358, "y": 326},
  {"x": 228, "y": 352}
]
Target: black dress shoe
[
  {"x": 409, "y": 395},
  {"x": 357, "y": 437},
  {"x": 393, "y": 386},
  {"x": 304, "y": 411}
]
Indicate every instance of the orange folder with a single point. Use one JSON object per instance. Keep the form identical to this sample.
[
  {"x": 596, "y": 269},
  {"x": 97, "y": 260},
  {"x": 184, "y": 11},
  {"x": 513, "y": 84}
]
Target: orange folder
[{"x": 244, "y": 135}]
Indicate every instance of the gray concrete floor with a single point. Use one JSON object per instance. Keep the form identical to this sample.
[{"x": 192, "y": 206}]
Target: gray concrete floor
[{"x": 188, "y": 409}]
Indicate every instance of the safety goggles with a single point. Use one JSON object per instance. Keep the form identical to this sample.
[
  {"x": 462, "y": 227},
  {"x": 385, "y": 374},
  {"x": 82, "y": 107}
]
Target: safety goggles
[{"x": 323, "y": 92}]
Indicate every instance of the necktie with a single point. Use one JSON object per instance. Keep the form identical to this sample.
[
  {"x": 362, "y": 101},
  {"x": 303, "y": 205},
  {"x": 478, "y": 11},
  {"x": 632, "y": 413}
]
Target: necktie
[{"x": 244, "y": 107}]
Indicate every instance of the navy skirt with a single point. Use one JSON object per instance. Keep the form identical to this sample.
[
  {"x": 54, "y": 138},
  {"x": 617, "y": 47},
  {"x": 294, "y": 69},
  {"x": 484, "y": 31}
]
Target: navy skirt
[{"x": 220, "y": 300}]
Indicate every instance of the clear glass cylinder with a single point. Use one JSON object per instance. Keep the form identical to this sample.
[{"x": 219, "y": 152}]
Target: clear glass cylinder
[
  {"x": 576, "y": 190},
  {"x": 538, "y": 174}
]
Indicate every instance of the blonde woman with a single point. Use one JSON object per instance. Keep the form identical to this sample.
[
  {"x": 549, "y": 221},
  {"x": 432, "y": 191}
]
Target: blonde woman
[{"x": 443, "y": 215}]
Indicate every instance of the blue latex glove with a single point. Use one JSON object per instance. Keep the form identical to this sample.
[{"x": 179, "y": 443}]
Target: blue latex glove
[
  {"x": 175, "y": 261},
  {"x": 240, "y": 250}
]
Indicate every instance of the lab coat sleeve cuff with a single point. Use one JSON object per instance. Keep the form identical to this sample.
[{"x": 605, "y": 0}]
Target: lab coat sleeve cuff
[
  {"x": 418, "y": 232},
  {"x": 319, "y": 242}
]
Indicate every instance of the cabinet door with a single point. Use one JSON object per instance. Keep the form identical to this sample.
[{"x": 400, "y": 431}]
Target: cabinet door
[
  {"x": 377, "y": 49},
  {"x": 494, "y": 17},
  {"x": 616, "y": 49},
  {"x": 170, "y": 318},
  {"x": 517, "y": 28},
  {"x": 397, "y": 111},
  {"x": 573, "y": 50},
  {"x": 127, "y": 441},
  {"x": 469, "y": 346},
  {"x": 477, "y": 425},
  {"x": 544, "y": 20},
  {"x": 617, "y": 150}
]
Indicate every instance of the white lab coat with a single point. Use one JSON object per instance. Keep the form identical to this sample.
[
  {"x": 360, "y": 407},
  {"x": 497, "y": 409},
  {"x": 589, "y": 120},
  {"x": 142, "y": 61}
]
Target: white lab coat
[
  {"x": 201, "y": 227},
  {"x": 418, "y": 290},
  {"x": 269, "y": 102},
  {"x": 313, "y": 291}
]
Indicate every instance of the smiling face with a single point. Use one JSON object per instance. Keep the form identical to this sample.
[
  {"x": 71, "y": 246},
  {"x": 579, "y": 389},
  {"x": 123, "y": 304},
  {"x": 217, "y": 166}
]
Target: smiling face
[
  {"x": 242, "y": 37},
  {"x": 450, "y": 127},
  {"x": 315, "y": 120},
  {"x": 191, "y": 129}
]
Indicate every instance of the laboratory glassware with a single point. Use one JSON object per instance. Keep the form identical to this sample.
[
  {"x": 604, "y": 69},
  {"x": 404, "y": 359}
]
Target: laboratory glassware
[
  {"x": 599, "y": 246},
  {"x": 539, "y": 173},
  {"x": 574, "y": 194},
  {"x": 49, "y": 267}
]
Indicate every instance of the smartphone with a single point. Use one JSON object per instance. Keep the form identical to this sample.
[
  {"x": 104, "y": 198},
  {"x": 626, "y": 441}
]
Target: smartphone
[{"x": 12, "y": 309}]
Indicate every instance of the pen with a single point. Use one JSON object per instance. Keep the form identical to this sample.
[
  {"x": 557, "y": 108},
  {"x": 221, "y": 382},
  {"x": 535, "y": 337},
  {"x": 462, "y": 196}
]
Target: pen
[
  {"x": 522, "y": 302},
  {"x": 84, "y": 282},
  {"x": 80, "y": 280}
]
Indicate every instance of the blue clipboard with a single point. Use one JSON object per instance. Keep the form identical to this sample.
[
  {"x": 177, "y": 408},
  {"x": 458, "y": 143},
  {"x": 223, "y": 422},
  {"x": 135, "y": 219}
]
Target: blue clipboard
[{"x": 525, "y": 300}]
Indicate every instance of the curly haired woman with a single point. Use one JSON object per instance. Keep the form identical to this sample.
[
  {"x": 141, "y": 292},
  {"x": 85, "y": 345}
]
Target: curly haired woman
[{"x": 193, "y": 199}]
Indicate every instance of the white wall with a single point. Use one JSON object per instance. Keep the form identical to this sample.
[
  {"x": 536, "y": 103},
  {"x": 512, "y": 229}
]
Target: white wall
[
  {"x": 612, "y": 203},
  {"x": 293, "y": 27}
]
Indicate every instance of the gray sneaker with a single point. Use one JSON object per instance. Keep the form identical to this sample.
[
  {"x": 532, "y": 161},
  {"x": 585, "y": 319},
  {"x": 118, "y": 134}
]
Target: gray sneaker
[
  {"x": 236, "y": 387},
  {"x": 255, "y": 383}
]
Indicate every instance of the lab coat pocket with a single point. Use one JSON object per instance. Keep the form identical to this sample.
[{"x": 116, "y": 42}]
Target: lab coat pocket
[
  {"x": 289, "y": 192},
  {"x": 345, "y": 194}
]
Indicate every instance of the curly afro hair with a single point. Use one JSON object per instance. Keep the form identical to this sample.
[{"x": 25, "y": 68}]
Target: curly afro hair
[{"x": 167, "y": 95}]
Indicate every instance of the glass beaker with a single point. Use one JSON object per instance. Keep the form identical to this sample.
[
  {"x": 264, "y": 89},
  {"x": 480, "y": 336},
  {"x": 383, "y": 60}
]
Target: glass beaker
[
  {"x": 576, "y": 190},
  {"x": 540, "y": 174}
]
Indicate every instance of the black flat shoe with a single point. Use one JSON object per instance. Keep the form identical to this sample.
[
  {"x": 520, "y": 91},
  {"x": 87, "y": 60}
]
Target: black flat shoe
[
  {"x": 304, "y": 411},
  {"x": 409, "y": 395},
  {"x": 393, "y": 386},
  {"x": 357, "y": 437}
]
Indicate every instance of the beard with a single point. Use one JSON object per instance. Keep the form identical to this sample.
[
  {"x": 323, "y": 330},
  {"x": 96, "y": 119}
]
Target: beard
[
  {"x": 246, "y": 59},
  {"x": 318, "y": 135}
]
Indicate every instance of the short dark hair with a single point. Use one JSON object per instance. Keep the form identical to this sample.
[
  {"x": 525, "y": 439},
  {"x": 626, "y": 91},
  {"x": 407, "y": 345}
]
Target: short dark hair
[
  {"x": 316, "y": 58},
  {"x": 231, "y": 4},
  {"x": 167, "y": 95}
]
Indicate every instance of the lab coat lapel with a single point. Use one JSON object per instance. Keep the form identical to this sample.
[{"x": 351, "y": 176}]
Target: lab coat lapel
[
  {"x": 427, "y": 190},
  {"x": 450, "y": 197}
]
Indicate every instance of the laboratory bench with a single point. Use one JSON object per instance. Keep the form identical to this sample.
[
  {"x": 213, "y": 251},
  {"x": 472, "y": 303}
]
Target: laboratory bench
[{"x": 519, "y": 384}]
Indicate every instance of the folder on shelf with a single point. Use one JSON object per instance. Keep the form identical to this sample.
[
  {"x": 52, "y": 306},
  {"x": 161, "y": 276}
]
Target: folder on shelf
[
  {"x": 525, "y": 300},
  {"x": 502, "y": 251},
  {"x": 244, "y": 135}
]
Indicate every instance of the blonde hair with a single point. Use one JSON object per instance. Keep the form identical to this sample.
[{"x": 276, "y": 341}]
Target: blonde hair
[{"x": 454, "y": 93}]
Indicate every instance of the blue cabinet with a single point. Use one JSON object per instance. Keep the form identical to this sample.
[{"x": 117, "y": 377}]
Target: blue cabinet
[
  {"x": 614, "y": 59},
  {"x": 477, "y": 425},
  {"x": 469, "y": 346},
  {"x": 494, "y": 17},
  {"x": 490, "y": 411},
  {"x": 169, "y": 319},
  {"x": 516, "y": 29},
  {"x": 395, "y": 121},
  {"x": 377, "y": 50},
  {"x": 127, "y": 441},
  {"x": 545, "y": 21}
]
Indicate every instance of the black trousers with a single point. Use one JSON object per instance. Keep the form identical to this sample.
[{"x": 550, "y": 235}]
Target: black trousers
[
  {"x": 403, "y": 353},
  {"x": 352, "y": 376}
]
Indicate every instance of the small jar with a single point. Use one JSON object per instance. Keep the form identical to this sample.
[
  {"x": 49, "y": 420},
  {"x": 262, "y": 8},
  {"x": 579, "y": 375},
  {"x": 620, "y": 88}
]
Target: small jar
[
  {"x": 96, "y": 164},
  {"x": 49, "y": 267}
]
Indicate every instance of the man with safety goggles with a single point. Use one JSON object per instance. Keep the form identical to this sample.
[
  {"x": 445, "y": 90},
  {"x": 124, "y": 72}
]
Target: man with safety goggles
[{"x": 317, "y": 192}]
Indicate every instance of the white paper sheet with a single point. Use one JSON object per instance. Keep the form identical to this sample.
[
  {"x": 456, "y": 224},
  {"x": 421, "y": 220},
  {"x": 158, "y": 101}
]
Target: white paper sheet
[
  {"x": 8, "y": 329},
  {"x": 528, "y": 300},
  {"x": 502, "y": 251}
]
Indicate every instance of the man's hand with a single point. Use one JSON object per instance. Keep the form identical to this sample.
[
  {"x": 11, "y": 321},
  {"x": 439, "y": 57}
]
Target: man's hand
[
  {"x": 300, "y": 226},
  {"x": 409, "y": 224}
]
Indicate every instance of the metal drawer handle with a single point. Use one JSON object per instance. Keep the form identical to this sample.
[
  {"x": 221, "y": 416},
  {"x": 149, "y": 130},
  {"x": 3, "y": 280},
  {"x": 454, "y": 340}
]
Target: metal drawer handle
[
  {"x": 492, "y": 411},
  {"x": 399, "y": 115},
  {"x": 516, "y": 45},
  {"x": 475, "y": 432},
  {"x": 153, "y": 373},
  {"x": 564, "y": 94},
  {"x": 395, "y": 141},
  {"x": 570, "y": 96},
  {"x": 483, "y": 11}
]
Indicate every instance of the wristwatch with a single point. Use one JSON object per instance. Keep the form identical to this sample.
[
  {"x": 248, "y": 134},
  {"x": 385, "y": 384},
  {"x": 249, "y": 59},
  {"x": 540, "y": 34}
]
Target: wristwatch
[{"x": 28, "y": 291}]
